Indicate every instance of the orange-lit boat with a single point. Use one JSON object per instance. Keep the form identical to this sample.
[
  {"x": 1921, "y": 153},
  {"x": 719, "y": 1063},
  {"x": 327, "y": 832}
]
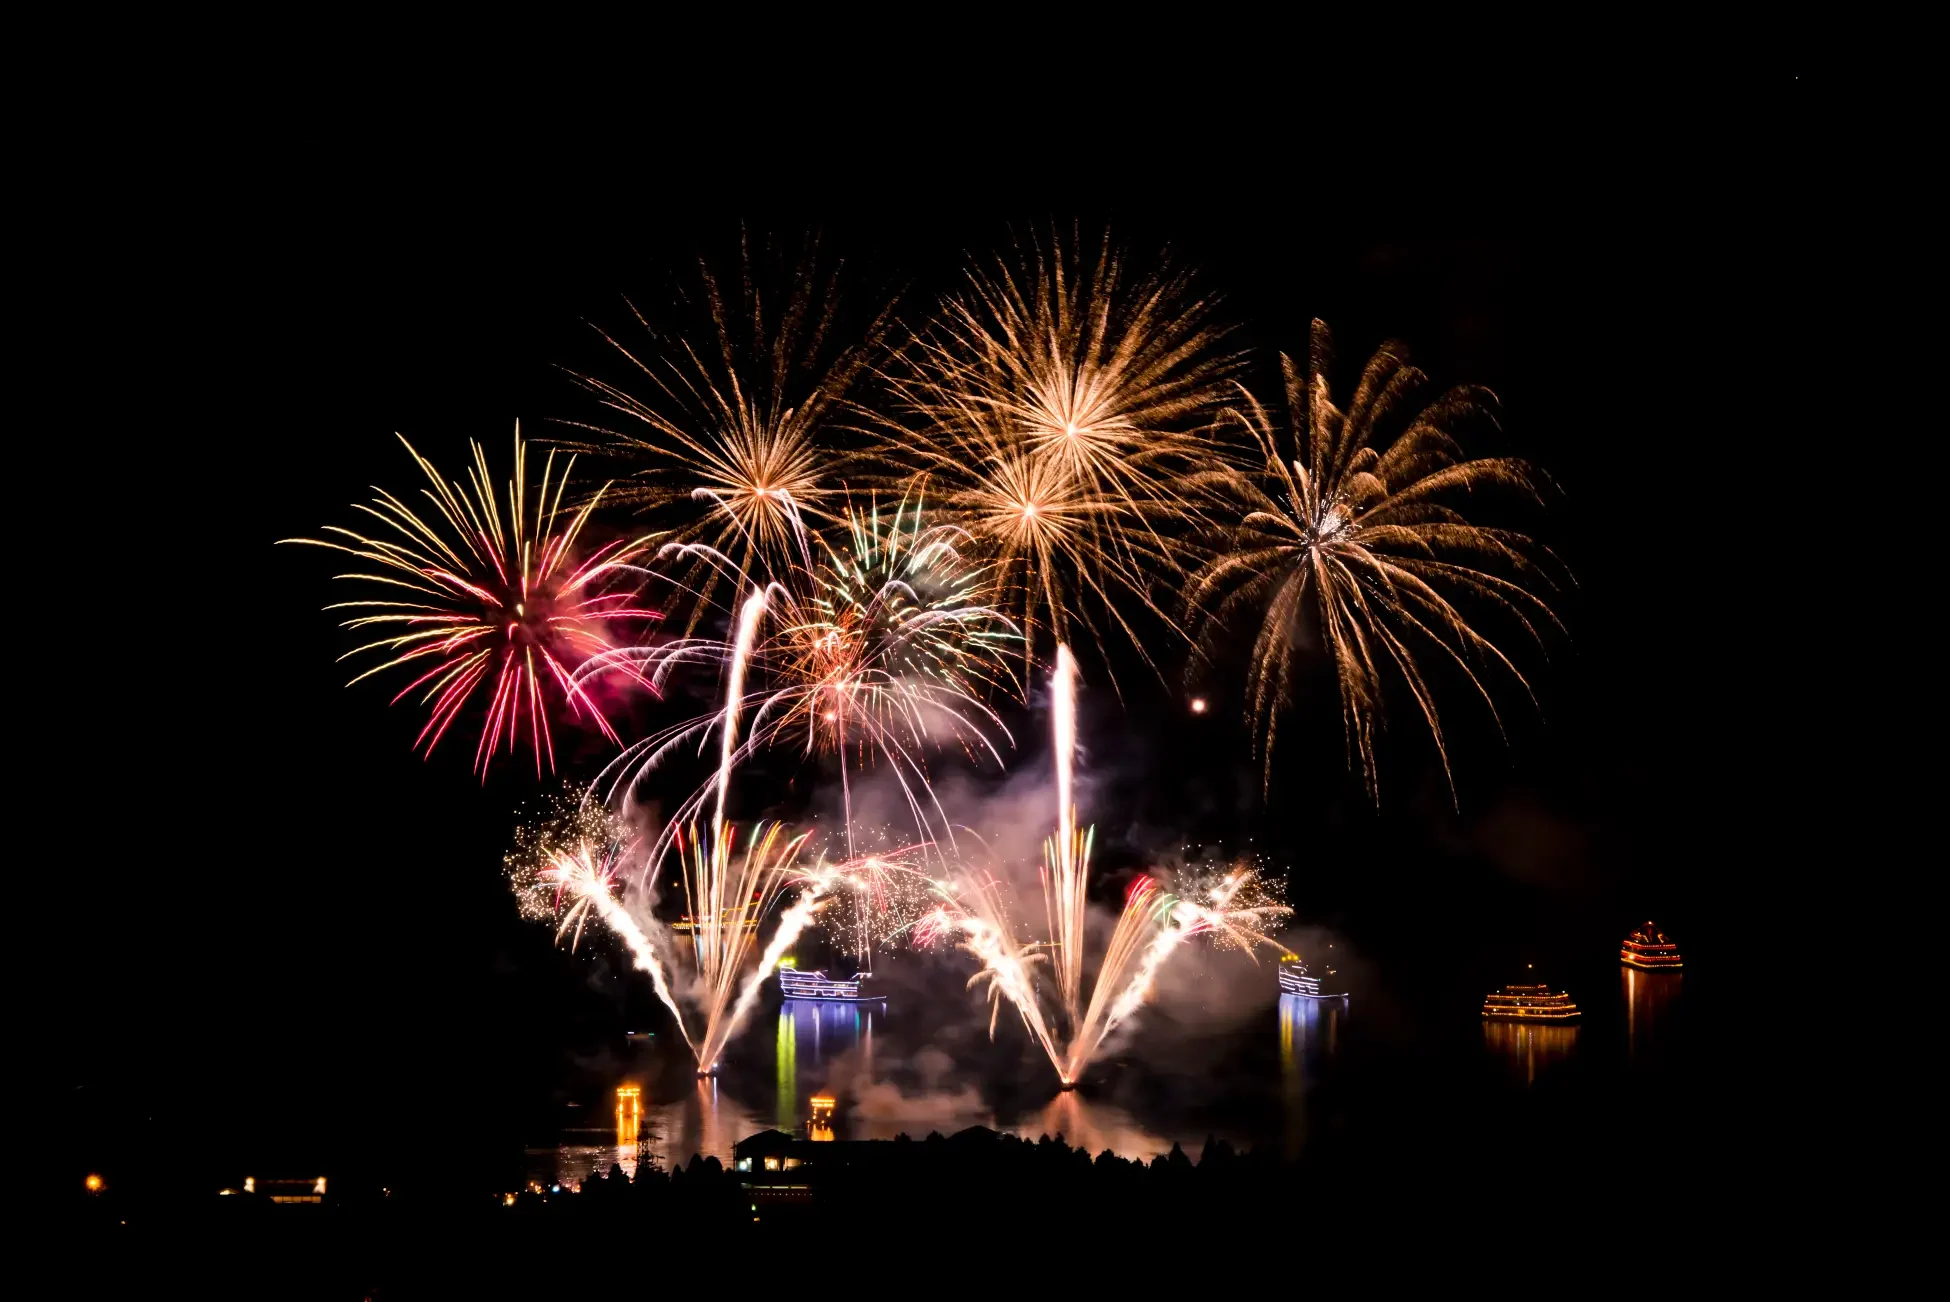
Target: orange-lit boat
[
  {"x": 1529, "y": 1004},
  {"x": 1649, "y": 950}
]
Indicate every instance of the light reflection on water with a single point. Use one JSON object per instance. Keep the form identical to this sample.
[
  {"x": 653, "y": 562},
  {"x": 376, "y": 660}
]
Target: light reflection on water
[
  {"x": 890, "y": 1079},
  {"x": 1310, "y": 1031},
  {"x": 829, "y": 1048},
  {"x": 1651, "y": 999},
  {"x": 1530, "y": 1047}
]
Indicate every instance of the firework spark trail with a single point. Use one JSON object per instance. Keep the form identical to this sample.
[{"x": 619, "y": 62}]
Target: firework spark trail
[
  {"x": 1143, "y": 909},
  {"x": 494, "y": 604},
  {"x": 982, "y": 926},
  {"x": 574, "y": 872},
  {"x": 1171, "y": 921},
  {"x": 791, "y": 923},
  {"x": 566, "y": 867},
  {"x": 729, "y": 896}
]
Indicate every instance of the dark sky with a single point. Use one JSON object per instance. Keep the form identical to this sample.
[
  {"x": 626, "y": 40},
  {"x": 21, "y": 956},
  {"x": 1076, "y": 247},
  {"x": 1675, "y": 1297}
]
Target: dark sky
[{"x": 281, "y": 895}]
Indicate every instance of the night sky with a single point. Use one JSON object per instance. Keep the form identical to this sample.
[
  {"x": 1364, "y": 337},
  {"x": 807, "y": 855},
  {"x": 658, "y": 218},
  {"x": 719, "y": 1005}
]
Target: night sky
[{"x": 294, "y": 935}]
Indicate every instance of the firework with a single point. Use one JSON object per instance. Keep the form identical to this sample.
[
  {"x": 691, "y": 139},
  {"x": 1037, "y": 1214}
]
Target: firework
[
  {"x": 1233, "y": 909},
  {"x": 497, "y": 603},
  {"x": 574, "y": 868},
  {"x": 976, "y": 917},
  {"x": 728, "y": 428},
  {"x": 876, "y": 654},
  {"x": 1358, "y": 531},
  {"x": 879, "y": 895},
  {"x": 1066, "y": 856},
  {"x": 1055, "y": 411},
  {"x": 568, "y": 869},
  {"x": 728, "y": 895}
]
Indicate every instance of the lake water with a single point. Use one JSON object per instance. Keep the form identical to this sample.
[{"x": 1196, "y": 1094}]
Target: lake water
[{"x": 1272, "y": 1071}]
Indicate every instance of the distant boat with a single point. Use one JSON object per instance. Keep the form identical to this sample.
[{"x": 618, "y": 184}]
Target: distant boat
[
  {"x": 1529, "y": 1004},
  {"x": 1648, "y": 948},
  {"x": 1295, "y": 979},
  {"x": 794, "y": 984}
]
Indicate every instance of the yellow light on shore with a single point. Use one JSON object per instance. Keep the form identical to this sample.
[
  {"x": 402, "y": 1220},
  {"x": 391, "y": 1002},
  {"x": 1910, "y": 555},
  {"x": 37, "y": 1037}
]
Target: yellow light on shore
[{"x": 94, "y": 1183}]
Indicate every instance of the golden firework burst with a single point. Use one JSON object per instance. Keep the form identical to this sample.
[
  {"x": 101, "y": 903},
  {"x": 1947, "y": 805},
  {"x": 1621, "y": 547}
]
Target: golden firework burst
[
  {"x": 1057, "y": 410},
  {"x": 1356, "y": 528},
  {"x": 729, "y": 425}
]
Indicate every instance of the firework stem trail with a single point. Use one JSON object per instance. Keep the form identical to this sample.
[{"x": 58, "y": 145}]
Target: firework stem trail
[
  {"x": 741, "y": 654},
  {"x": 1063, "y": 878}
]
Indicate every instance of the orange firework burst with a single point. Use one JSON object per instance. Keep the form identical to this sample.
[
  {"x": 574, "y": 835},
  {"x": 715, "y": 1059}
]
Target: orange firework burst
[
  {"x": 497, "y": 602},
  {"x": 1057, "y": 411},
  {"x": 1356, "y": 528}
]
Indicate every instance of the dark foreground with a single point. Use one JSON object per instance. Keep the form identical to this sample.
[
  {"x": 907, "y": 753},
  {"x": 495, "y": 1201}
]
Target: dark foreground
[{"x": 976, "y": 1209}]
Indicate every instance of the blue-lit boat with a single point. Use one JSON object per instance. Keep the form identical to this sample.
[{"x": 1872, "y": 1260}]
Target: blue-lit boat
[
  {"x": 1295, "y": 979},
  {"x": 794, "y": 984}
]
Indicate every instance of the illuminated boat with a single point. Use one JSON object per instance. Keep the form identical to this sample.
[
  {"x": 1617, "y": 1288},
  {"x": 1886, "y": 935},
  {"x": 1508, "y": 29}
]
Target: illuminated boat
[
  {"x": 1648, "y": 948},
  {"x": 1295, "y": 979},
  {"x": 1529, "y": 1004},
  {"x": 729, "y": 919},
  {"x": 794, "y": 984}
]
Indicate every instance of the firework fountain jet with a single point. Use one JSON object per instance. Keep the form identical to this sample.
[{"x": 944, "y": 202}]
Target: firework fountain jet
[
  {"x": 576, "y": 874},
  {"x": 725, "y": 922},
  {"x": 729, "y": 895},
  {"x": 1063, "y": 874},
  {"x": 1153, "y": 924}
]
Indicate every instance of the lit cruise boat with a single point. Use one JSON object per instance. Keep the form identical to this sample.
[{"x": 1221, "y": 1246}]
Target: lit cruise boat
[
  {"x": 794, "y": 984},
  {"x": 1295, "y": 979},
  {"x": 1530, "y": 1004},
  {"x": 1649, "y": 949}
]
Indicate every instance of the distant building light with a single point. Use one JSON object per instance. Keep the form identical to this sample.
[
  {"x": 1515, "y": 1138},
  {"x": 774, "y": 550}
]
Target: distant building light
[
  {"x": 250, "y": 1185},
  {"x": 94, "y": 1183}
]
